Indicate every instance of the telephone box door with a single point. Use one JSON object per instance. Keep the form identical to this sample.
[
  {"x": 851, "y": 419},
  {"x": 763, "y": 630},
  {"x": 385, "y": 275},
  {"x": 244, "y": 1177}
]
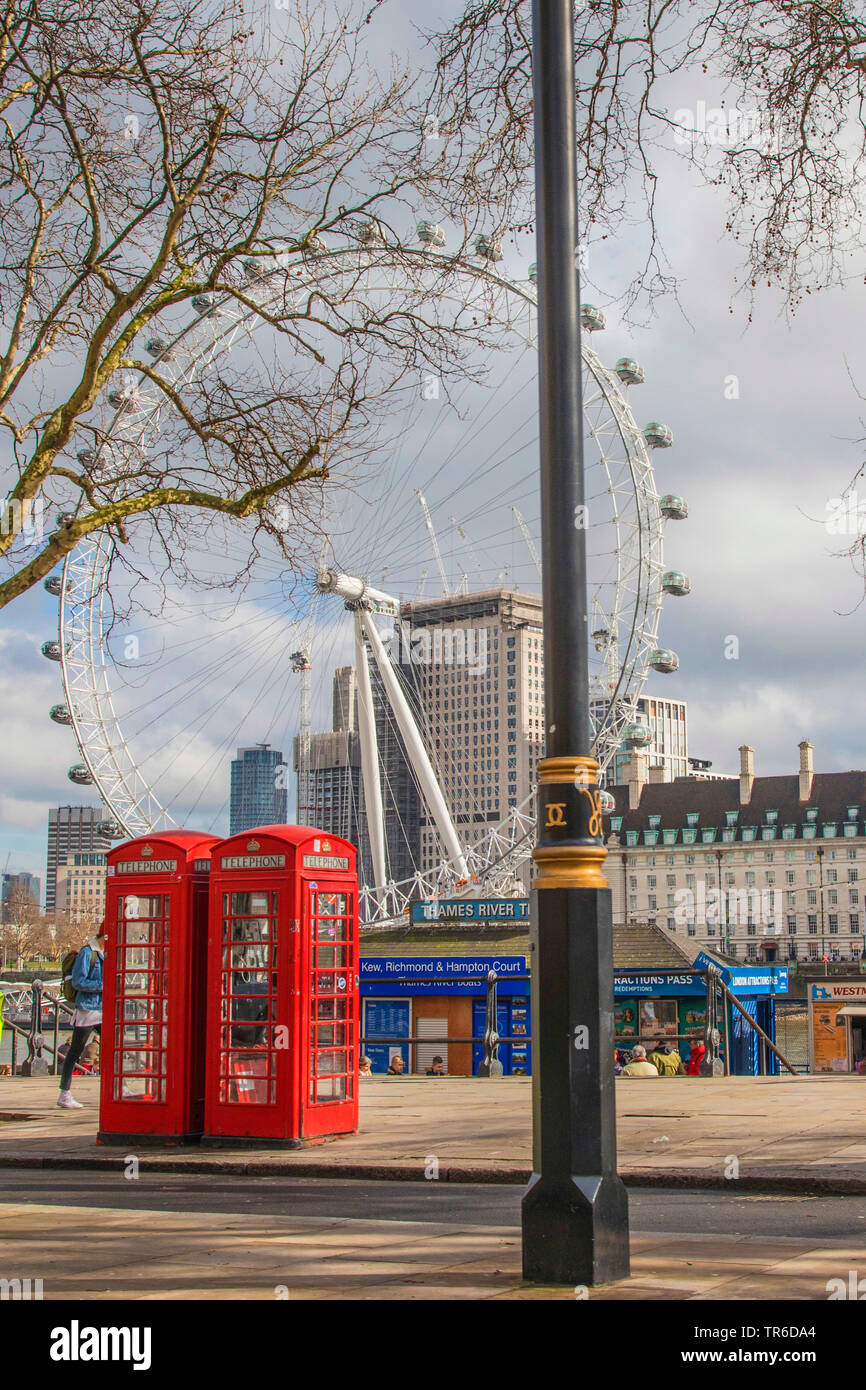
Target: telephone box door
[
  {"x": 256, "y": 950},
  {"x": 329, "y": 910}
]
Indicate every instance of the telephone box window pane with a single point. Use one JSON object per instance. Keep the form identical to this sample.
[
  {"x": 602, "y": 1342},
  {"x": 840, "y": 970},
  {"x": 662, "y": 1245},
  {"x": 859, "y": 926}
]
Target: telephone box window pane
[
  {"x": 332, "y": 1035},
  {"x": 140, "y": 908},
  {"x": 331, "y": 1088},
  {"x": 325, "y": 983},
  {"x": 330, "y": 904},
  {"x": 330, "y": 956},
  {"x": 249, "y": 904},
  {"x": 329, "y": 1063},
  {"x": 253, "y": 956},
  {"x": 136, "y": 933},
  {"x": 331, "y": 929},
  {"x": 331, "y": 1008}
]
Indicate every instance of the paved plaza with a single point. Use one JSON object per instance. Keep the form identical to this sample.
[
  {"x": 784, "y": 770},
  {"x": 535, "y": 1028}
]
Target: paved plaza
[{"x": 804, "y": 1130}]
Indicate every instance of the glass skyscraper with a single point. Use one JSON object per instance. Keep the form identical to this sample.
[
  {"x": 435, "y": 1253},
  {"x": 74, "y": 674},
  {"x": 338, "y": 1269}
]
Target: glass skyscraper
[{"x": 258, "y": 788}]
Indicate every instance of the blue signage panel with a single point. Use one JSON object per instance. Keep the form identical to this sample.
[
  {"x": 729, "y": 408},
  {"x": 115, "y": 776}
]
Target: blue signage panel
[
  {"x": 748, "y": 979},
  {"x": 379, "y": 975},
  {"x": 646, "y": 983},
  {"x": 471, "y": 910}
]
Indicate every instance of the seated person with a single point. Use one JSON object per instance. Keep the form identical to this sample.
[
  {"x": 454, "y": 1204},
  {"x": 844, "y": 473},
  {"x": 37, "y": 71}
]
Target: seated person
[
  {"x": 436, "y": 1068},
  {"x": 639, "y": 1066},
  {"x": 397, "y": 1066}
]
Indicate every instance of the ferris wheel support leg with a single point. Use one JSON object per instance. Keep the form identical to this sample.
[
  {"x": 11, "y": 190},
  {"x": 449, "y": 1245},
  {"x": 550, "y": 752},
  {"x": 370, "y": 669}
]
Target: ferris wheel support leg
[
  {"x": 369, "y": 756},
  {"x": 415, "y": 748}
]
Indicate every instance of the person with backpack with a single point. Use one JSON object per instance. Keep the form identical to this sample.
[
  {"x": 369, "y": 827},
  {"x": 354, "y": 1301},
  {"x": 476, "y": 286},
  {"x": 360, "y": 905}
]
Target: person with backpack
[{"x": 85, "y": 978}]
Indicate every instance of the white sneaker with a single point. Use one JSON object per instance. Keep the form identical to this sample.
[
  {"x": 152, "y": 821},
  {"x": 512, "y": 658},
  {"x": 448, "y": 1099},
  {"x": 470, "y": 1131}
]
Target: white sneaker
[{"x": 67, "y": 1101}]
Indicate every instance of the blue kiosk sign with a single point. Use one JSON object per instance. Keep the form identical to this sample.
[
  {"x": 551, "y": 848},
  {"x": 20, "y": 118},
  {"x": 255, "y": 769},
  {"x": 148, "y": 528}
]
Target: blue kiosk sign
[{"x": 470, "y": 910}]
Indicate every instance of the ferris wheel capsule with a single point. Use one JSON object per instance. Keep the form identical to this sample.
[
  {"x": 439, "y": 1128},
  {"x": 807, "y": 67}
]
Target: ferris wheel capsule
[
  {"x": 600, "y": 638},
  {"x": 533, "y": 272},
  {"x": 86, "y": 457},
  {"x": 630, "y": 371},
  {"x": 664, "y": 660},
  {"x": 592, "y": 318},
  {"x": 488, "y": 248},
  {"x": 53, "y": 585},
  {"x": 608, "y": 802},
  {"x": 60, "y": 714},
  {"x": 636, "y": 734},
  {"x": 64, "y": 518},
  {"x": 430, "y": 233},
  {"x": 110, "y": 830},
  {"x": 658, "y": 436},
  {"x": 370, "y": 233},
  {"x": 80, "y": 775},
  {"x": 122, "y": 401},
  {"x": 252, "y": 267},
  {"x": 673, "y": 507},
  {"x": 675, "y": 582},
  {"x": 51, "y": 651},
  {"x": 157, "y": 347}
]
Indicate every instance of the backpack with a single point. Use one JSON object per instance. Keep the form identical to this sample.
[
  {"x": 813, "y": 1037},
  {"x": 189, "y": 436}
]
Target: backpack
[{"x": 67, "y": 988}]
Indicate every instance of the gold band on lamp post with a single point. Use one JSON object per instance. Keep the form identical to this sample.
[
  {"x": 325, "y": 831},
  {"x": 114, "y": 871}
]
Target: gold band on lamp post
[{"x": 570, "y": 850}]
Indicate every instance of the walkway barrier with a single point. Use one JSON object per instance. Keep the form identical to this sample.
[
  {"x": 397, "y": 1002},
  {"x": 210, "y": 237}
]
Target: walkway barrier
[{"x": 39, "y": 1005}]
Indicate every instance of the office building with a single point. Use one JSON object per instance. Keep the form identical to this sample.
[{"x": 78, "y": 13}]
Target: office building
[
  {"x": 81, "y": 885},
  {"x": 667, "y": 724},
  {"x": 71, "y": 830},
  {"x": 16, "y": 889},
  {"x": 477, "y": 667},
  {"x": 258, "y": 788},
  {"x": 763, "y": 868}
]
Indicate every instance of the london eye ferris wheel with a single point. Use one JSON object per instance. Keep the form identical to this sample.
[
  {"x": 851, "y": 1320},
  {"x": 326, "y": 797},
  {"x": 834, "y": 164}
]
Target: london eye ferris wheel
[{"x": 158, "y": 693}]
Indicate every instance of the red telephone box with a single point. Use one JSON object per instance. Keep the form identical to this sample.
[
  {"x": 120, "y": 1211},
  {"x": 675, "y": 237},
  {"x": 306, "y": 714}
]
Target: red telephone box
[
  {"x": 282, "y": 1006},
  {"x": 153, "y": 997}
]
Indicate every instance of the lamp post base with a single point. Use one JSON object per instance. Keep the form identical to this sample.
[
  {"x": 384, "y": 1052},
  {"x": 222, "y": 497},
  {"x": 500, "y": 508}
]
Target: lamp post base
[{"x": 575, "y": 1230}]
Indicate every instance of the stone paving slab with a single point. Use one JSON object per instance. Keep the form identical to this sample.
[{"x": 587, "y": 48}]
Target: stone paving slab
[
  {"x": 147, "y": 1255},
  {"x": 808, "y": 1130}
]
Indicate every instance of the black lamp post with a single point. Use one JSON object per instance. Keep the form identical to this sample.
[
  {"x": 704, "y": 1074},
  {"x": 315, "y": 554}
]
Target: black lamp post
[{"x": 575, "y": 1210}]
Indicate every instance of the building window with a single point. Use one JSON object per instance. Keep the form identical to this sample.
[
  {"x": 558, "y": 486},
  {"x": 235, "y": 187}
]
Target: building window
[
  {"x": 854, "y": 921},
  {"x": 792, "y": 926},
  {"x": 654, "y": 822},
  {"x": 672, "y": 924},
  {"x": 692, "y": 930},
  {"x": 813, "y": 924},
  {"x": 833, "y": 921},
  {"x": 692, "y": 817}
]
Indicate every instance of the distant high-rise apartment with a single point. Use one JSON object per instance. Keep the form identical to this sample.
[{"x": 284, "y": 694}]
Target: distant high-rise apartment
[
  {"x": 668, "y": 748},
  {"x": 81, "y": 885},
  {"x": 477, "y": 666},
  {"x": 258, "y": 788},
  {"x": 17, "y": 888},
  {"x": 71, "y": 830}
]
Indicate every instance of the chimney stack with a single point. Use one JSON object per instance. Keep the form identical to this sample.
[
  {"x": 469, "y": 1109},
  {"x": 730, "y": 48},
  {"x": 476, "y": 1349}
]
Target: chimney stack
[
  {"x": 636, "y": 778},
  {"x": 656, "y": 773},
  {"x": 747, "y": 773},
  {"x": 807, "y": 769}
]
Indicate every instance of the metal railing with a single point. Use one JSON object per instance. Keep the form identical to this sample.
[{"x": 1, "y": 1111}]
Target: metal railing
[{"x": 42, "y": 1002}]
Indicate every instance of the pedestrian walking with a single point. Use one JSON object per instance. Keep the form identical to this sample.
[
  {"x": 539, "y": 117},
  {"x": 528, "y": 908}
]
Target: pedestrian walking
[
  {"x": 639, "y": 1066},
  {"x": 86, "y": 980}
]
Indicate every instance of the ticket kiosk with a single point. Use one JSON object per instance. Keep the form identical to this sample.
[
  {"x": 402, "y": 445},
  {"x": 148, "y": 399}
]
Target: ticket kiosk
[
  {"x": 282, "y": 1008},
  {"x": 153, "y": 1001}
]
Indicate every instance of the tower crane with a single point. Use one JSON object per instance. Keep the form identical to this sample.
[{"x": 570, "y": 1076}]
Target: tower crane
[
  {"x": 468, "y": 548},
  {"x": 428, "y": 521},
  {"x": 527, "y": 536},
  {"x": 301, "y": 667}
]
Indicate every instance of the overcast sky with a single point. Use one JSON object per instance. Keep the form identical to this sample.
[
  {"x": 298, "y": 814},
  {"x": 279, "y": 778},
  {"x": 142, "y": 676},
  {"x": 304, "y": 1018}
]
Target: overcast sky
[{"x": 756, "y": 470}]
